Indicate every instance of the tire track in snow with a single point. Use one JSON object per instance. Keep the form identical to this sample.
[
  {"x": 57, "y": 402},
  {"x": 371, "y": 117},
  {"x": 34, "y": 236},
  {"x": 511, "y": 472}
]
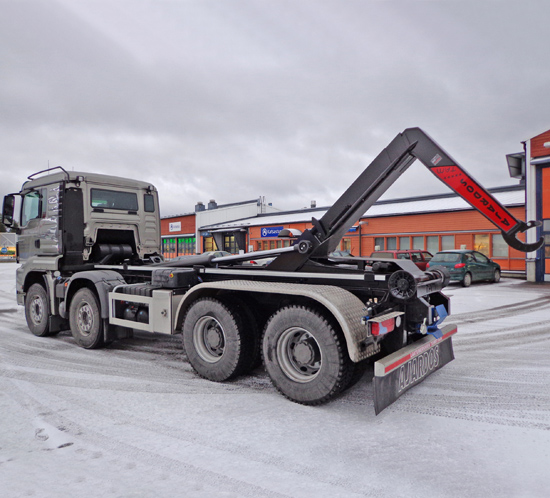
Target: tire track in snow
[
  {"x": 72, "y": 404},
  {"x": 518, "y": 309}
]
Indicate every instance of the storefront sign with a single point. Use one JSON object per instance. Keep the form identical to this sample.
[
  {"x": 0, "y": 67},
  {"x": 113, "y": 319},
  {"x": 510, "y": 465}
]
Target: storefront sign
[
  {"x": 175, "y": 226},
  {"x": 271, "y": 231}
]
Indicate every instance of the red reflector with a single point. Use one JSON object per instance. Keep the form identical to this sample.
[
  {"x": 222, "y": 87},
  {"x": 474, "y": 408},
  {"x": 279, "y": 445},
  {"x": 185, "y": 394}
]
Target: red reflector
[
  {"x": 381, "y": 328},
  {"x": 427, "y": 265},
  {"x": 460, "y": 265}
]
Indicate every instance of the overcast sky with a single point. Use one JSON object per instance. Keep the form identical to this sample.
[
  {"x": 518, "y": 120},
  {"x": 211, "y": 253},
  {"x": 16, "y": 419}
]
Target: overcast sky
[{"x": 231, "y": 100}]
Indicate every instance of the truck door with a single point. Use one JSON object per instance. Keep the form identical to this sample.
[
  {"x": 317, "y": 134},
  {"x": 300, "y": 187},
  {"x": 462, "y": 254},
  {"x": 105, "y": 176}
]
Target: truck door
[
  {"x": 40, "y": 223},
  {"x": 32, "y": 210}
]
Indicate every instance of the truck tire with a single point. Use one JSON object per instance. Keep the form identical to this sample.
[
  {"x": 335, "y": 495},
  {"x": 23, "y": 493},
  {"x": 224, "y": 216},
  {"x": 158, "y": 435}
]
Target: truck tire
[
  {"x": 214, "y": 340},
  {"x": 85, "y": 319},
  {"x": 467, "y": 280},
  {"x": 252, "y": 357},
  {"x": 305, "y": 357},
  {"x": 37, "y": 310}
]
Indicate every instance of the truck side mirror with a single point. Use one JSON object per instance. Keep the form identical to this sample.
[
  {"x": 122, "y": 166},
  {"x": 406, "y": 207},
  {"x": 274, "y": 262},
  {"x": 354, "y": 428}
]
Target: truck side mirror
[{"x": 7, "y": 210}]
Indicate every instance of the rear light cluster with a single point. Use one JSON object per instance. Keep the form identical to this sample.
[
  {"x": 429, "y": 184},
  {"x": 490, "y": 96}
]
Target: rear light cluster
[{"x": 381, "y": 328}]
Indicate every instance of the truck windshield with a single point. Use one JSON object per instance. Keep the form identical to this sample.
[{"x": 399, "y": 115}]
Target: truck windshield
[{"x": 112, "y": 199}]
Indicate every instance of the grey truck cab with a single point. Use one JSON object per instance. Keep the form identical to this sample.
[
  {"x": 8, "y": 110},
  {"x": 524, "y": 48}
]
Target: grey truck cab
[{"x": 70, "y": 221}]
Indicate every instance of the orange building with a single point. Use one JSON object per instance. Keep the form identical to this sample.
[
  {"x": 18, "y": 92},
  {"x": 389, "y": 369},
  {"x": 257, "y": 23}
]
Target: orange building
[{"x": 432, "y": 223}]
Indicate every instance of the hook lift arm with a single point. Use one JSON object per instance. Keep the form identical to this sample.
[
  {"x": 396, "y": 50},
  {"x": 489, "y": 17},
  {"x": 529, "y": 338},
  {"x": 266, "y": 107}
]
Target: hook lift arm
[
  {"x": 390, "y": 164},
  {"x": 456, "y": 178}
]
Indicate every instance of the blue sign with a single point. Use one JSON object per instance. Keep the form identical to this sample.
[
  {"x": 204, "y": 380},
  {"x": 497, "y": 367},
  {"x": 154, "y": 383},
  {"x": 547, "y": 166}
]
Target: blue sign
[
  {"x": 271, "y": 231},
  {"x": 4, "y": 250}
]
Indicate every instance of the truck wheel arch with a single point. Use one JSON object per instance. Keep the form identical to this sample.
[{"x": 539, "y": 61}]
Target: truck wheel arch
[
  {"x": 346, "y": 308},
  {"x": 99, "y": 281},
  {"x": 36, "y": 278}
]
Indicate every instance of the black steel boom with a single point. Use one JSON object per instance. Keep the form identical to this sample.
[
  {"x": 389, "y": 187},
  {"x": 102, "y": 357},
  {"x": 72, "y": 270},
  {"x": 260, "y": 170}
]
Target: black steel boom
[{"x": 390, "y": 164}]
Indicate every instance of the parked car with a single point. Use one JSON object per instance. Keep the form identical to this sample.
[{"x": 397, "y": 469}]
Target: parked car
[
  {"x": 341, "y": 254},
  {"x": 467, "y": 266},
  {"x": 418, "y": 257},
  {"x": 217, "y": 254},
  {"x": 258, "y": 262}
]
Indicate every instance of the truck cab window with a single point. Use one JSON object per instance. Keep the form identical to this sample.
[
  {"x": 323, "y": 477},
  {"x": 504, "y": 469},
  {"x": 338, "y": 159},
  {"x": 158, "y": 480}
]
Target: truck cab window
[
  {"x": 149, "y": 203},
  {"x": 113, "y": 199},
  {"x": 32, "y": 207}
]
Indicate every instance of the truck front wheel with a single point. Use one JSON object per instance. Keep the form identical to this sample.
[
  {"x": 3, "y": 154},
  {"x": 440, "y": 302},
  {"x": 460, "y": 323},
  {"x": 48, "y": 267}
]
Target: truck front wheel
[
  {"x": 37, "y": 310},
  {"x": 215, "y": 340},
  {"x": 304, "y": 356},
  {"x": 85, "y": 319}
]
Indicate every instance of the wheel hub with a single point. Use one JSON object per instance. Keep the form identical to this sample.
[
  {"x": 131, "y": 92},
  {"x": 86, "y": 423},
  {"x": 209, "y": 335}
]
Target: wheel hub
[
  {"x": 209, "y": 339},
  {"x": 37, "y": 310},
  {"x": 85, "y": 319},
  {"x": 303, "y": 353},
  {"x": 299, "y": 355},
  {"x": 214, "y": 337}
]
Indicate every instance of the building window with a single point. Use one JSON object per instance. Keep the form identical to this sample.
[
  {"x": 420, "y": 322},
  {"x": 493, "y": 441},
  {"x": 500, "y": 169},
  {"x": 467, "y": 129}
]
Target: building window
[
  {"x": 186, "y": 246},
  {"x": 169, "y": 248},
  {"x": 404, "y": 242},
  {"x": 230, "y": 244},
  {"x": 418, "y": 243},
  {"x": 447, "y": 242},
  {"x": 481, "y": 243},
  {"x": 208, "y": 244},
  {"x": 433, "y": 243},
  {"x": 500, "y": 247},
  {"x": 546, "y": 234},
  {"x": 546, "y": 228},
  {"x": 345, "y": 245},
  {"x": 391, "y": 243},
  {"x": 379, "y": 244}
]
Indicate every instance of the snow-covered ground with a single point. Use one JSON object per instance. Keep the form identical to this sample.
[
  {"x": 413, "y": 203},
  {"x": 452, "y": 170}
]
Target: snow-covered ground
[{"x": 133, "y": 420}]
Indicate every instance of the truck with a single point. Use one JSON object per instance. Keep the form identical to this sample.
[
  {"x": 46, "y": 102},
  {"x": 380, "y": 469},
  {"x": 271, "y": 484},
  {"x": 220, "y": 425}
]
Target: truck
[{"x": 89, "y": 248}]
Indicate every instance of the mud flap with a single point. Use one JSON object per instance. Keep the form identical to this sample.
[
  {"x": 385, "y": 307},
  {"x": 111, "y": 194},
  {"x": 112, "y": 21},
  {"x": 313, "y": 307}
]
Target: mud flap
[{"x": 398, "y": 372}]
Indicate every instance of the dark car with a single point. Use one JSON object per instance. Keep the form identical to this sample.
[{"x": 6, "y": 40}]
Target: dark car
[
  {"x": 467, "y": 266},
  {"x": 418, "y": 257},
  {"x": 341, "y": 254}
]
